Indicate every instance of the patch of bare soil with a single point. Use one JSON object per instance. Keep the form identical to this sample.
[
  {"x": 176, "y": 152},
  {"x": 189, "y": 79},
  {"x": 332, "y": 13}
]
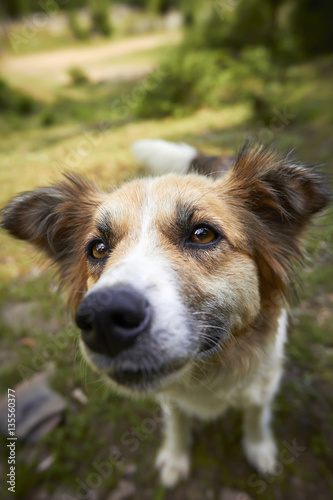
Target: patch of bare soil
[{"x": 54, "y": 65}]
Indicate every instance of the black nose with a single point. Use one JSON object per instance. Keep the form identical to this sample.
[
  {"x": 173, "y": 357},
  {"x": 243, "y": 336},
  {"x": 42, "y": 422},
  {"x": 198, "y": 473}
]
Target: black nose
[{"x": 112, "y": 318}]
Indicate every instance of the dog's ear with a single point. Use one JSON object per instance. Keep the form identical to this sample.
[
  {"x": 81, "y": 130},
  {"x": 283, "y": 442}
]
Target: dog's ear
[
  {"x": 49, "y": 217},
  {"x": 213, "y": 166},
  {"x": 276, "y": 198},
  {"x": 55, "y": 219}
]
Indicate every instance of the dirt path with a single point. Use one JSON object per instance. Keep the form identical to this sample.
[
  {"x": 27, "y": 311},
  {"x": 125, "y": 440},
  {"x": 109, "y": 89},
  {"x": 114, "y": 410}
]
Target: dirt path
[{"x": 103, "y": 61}]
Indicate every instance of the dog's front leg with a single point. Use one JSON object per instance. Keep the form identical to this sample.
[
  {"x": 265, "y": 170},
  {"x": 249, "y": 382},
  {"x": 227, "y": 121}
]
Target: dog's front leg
[
  {"x": 258, "y": 440},
  {"x": 173, "y": 459}
]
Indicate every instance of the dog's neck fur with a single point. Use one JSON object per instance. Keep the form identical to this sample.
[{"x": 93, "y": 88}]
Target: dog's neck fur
[{"x": 237, "y": 375}]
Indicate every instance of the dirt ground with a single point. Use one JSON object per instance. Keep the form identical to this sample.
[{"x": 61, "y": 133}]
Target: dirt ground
[{"x": 98, "y": 62}]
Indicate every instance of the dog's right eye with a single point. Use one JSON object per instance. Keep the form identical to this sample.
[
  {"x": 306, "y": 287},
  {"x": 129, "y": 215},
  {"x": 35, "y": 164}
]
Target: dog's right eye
[
  {"x": 203, "y": 236},
  {"x": 98, "y": 250}
]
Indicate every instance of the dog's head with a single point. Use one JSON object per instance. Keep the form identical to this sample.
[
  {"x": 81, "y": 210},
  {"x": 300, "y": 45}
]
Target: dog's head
[{"x": 164, "y": 271}]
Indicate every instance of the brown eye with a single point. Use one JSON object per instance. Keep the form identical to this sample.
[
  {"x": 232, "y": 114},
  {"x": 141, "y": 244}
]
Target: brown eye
[
  {"x": 203, "y": 236},
  {"x": 98, "y": 250}
]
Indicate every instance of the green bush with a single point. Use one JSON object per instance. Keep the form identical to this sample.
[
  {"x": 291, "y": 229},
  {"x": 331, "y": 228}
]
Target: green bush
[
  {"x": 227, "y": 26},
  {"x": 77, "y": 76},
  {"x": 100, "y": 17},
  {"x": 161, "y": 6},
  {"x": 80, "y": 32},
  {"x": 187, "y": 83},
  {"x": 7, "y": 97},
  {"x": 208, "y": 78},
  {"x": 311, "y": 23},
  {"x": 100, "y": 22},
  {"x": 48, "y": 118},
  {"x": 26, "y": 105},
  {"x": 12, "y": 100}
]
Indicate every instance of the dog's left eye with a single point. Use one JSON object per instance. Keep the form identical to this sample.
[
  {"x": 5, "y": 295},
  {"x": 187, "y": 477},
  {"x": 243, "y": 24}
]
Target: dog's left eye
[
  {"x": 98, "y": 250},
  {"x": 203, "y": 235}
]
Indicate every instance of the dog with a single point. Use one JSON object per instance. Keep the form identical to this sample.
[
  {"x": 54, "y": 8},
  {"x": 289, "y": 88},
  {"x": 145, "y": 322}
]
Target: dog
[{"x": 179, "y": 282}]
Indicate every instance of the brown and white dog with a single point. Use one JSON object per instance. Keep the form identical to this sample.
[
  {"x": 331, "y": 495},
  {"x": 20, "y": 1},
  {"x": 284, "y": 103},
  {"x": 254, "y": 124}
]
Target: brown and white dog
[{"x": 179, "y": 281}]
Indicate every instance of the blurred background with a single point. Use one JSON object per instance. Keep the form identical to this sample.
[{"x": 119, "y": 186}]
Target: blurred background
[{"x": 79, "y": 82}]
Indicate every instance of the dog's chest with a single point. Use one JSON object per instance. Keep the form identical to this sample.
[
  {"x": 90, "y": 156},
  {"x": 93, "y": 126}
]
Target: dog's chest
[
  {"x": 207, "y": 396},
  {"x": 208, "y": 399}
]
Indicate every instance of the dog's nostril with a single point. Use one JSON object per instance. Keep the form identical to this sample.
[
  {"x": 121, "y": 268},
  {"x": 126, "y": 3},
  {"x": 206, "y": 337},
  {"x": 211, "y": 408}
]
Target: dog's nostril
[
  {"x": 84, "y": 320},
  {"x": 128, "y": 320}
]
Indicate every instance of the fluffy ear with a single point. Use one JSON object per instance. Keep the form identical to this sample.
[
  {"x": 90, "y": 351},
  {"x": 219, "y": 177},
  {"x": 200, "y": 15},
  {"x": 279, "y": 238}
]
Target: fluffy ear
[
  {"x": 276, "y": 199},
  {"x": 55, "y": 219},
  {"x": 49, "y": 216}
]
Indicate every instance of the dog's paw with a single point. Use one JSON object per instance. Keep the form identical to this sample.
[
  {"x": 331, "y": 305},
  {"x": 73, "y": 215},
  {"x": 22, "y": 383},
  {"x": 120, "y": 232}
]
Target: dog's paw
[
  {"x": 173, "y": 466},
  {"x": 262, "y": 454}
]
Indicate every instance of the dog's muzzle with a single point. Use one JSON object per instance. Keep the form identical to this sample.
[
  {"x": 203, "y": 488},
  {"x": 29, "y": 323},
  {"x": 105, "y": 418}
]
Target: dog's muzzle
[{"x": 111, "y": 319}]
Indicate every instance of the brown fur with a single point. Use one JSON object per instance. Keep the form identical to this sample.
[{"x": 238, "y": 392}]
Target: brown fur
[
  {"x": 274, "y": 198},
  {"x": 56, "y": 220},
  {"x": 261, "y": 205}
]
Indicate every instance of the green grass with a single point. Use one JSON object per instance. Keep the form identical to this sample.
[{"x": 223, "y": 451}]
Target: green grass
[{"x": 33, "y": 154}]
